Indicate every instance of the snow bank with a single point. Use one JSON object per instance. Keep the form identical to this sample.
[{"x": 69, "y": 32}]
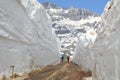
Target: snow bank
[
  {"x": 102, "y": 58},
  {"x": 26, "y": 39}
]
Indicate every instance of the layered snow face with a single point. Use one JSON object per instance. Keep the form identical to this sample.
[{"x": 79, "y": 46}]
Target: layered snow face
[
  {"x": 26, "y": 39},
  {"x": 102, "y": 57}
]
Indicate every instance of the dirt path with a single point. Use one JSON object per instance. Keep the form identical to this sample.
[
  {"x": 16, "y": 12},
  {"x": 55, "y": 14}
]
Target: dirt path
[{"x": 61, "y": 71}]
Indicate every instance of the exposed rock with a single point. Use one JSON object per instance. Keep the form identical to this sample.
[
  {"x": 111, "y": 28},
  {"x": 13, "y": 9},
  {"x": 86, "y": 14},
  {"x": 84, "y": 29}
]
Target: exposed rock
[{"x": 71, "y": 24}]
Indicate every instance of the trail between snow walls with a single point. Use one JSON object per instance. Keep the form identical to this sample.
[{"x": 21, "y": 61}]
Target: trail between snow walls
[{"x": 61, "y": 71}]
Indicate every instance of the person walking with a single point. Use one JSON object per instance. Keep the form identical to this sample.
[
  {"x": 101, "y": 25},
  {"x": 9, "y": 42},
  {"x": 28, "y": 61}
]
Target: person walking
[
  {"x": 68, "y": 58},
  {"x": 62, "y": 58}
]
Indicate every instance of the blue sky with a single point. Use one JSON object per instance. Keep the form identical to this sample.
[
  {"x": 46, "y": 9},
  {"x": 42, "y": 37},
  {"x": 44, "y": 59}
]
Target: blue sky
[{"x": 94, "y": 5}]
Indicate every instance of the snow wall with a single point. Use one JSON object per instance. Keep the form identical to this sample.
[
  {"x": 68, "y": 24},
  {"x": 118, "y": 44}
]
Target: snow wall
[
  {"x": 103, "y": 57},
  {"x": 26, "y": 39}
]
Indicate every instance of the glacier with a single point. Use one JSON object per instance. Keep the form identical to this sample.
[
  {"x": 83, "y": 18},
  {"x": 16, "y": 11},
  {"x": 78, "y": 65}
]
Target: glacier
[
  {"x": 26, "y": 38},
  {"x": 102, "y": 57}
]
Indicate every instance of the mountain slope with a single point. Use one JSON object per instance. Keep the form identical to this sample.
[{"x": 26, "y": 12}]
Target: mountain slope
[{"x": 71, "y": 25}]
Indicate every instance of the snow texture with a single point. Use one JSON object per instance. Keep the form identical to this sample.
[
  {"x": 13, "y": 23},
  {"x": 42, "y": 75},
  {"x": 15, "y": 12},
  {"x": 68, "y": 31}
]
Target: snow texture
[
  {"x": 72, "y": 24},
  {"x": 102, "y": 57},
  {"x": 26, "y": 39}
]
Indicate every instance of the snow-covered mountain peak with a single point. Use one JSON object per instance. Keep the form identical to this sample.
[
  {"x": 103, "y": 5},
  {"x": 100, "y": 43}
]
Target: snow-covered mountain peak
[
  {"x": 71, "y": 13},
  {"x": 72, "y": 24},
  {"x": 49, "y": 5}
]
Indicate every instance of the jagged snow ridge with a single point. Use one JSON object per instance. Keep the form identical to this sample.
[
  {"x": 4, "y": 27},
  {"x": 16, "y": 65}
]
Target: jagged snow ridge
[
  {"x": 72, "y": 24},
  {"x": 90, "y": 20},
  {"x": 26, "y": 39},
  {"x": 102, "y": 58}
]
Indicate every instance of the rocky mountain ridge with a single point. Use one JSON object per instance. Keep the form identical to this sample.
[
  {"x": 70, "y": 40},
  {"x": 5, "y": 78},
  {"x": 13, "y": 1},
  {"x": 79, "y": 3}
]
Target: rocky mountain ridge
[{"x": 72, "y": 24}]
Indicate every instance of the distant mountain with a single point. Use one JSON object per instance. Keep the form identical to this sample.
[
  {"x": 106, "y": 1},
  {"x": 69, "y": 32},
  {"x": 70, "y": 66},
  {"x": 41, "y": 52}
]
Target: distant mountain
[
  {"x": 49, "y": 5},
  {"x": 70, "y": 24},
  {"x": 72, "y": 13}
]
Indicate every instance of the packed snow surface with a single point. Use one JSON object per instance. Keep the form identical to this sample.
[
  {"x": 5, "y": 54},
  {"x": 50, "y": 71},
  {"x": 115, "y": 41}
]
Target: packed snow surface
[
  {"x": 102, "y": 57},
  {"x": 26, "y": 39}
]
